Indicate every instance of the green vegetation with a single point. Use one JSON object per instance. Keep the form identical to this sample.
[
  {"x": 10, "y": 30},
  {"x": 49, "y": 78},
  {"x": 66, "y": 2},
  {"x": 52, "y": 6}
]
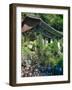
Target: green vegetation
[
  {"x": 36, "y": 48},
  {"x": 43, "y": 53}
]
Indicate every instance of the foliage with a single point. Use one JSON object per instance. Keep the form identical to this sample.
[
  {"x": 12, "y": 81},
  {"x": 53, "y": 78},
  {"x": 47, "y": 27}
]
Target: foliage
[
  {"x": 54, "y": 20},
  {"x": 35, "y": 48},
  {"x": 42, "y": 53}
]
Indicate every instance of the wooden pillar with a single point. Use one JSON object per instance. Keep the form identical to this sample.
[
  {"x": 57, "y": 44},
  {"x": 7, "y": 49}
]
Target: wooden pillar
[
  {"x": 58, "y": 45},
  {"x": 51, "y": 41}
]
